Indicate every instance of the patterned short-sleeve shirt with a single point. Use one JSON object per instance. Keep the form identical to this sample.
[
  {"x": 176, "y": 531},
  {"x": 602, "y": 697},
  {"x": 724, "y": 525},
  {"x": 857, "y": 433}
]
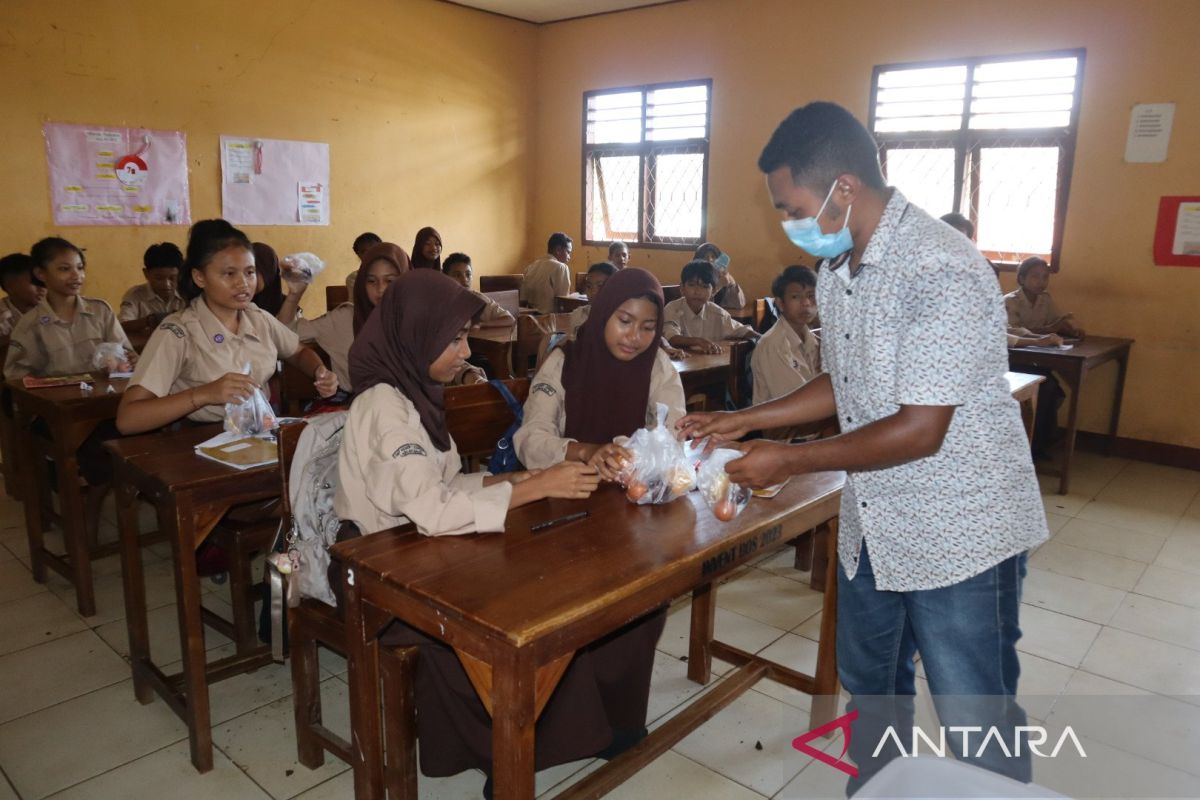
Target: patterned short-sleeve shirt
[{"x": 922, "y": 322}]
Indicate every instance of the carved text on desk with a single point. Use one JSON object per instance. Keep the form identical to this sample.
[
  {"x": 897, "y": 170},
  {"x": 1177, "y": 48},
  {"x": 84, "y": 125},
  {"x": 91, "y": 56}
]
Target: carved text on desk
[{"x": 740, "y": 552}]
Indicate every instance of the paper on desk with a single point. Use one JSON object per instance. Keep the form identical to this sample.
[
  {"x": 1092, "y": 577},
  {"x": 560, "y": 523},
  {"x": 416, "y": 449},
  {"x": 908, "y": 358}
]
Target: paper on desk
[{"x": 1047, "y": 348}]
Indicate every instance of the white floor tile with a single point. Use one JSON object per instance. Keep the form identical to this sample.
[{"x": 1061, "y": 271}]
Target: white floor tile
[
  {"x": 36, "y": 619},
  {"x": 775, "y": 601},
  {"x": 673, "y": 775},
  {"x": 81, "y": 738},
  {"x": 1124, "y": 542},
  {"x": 240, "y": 694},
  {"x": 168, "y": 775},
  {"x": 16, "y": 581},
  {"x": 733, "y": 629},
  {"x": 669, "y": 686},
  {"x": 41, "y": 676},
  {"x": 163, "y": 625},
  {"x": 782, "y": 564},
  {"x": 1110, "y": 772},
  {"x": 1182, "y": 550},
  {"x": 1057, "y": 637},
  {"x": 1071, "y": 596},
  {"x": 1143, "y": 505},
  {"x": 1041, "y": 682},
  {"x": 1168, "y": 584},
  {"x": 6, "y": 791},
  {"x": 1055, "y": 522},
  {"x": 1064, "y": 505},
  {"x": 1159, "y": 619},
  {"x": 1146, "y": 663},
  {"x": 110, "y": 591},
  {"x": 1087, "y": 565}
]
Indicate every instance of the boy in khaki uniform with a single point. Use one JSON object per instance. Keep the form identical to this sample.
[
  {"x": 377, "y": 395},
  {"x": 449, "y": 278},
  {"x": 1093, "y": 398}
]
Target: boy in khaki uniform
[
  {"x": 548, "y": 277},
  {"x": 597, "y": 274},
  {"x": 1030, "y": 306},
  {"x": 694, "y": 322},
  {"x": 458, "y": 267},
  {"x": 147, "y": 304},
  {"x": 22, "y": 294},
  {"x": 788, "y": 355}
]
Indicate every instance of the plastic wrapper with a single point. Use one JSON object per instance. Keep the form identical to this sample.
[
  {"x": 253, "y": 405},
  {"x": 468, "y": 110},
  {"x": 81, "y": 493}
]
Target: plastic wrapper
[
  {"x": 111, "y": 357},
  {"x": 301, "y": 268},
  {"x": 251, "y": 416},
  {"x": 659, "y": 468},
  {"x": 724, "y": 498}
]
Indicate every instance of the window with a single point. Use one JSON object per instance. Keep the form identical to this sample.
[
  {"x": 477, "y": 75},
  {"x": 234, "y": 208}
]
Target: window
[
  {"x": 990, "y": 138},
  {"x": 645, "y": 164}
]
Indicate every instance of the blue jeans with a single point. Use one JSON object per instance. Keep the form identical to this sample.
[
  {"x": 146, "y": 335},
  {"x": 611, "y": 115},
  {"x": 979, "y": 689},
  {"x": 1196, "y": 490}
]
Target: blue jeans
[{"x": 966, "y": 634}]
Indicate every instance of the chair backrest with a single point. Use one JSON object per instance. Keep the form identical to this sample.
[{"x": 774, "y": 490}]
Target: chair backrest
[
  {"x": 737, "y": 378},
  {"x": 288, "y": 437},
  {"x": 568, "y": 304},
  {"x": 336, "y": 295},
  {"x": 508, "y": 299},
  {"x": 296, "y": 388},
  {"x": 580, "y": 281},
  {"x": 671, "y": 291},
  {"x": 500, "y": 283},
  {"x": 764, "y": 314},
  {"x": 477, "y": 416}
]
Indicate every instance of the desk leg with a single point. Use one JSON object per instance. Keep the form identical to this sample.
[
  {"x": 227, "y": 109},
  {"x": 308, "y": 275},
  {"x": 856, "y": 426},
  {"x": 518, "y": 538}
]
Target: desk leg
[
  {"x": 513, "y": 725},
  {"x": 1075, "y": 379},
  {"x": 35, "y": 492},
  {"x": 134, "y": 582},
  {"x": 826, "y": 684},
  {"x": 704, "y": 615},
  {"x": 181, "y": 521},
  {"x": 1122, "y": 366},
  {"x": 1029, "y": 413},
  {"x": 366, "y": 730},
  {"x": 74, "y": 526}
]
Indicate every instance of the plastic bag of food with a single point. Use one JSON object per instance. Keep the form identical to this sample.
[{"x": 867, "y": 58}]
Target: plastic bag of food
[
  {"x": 111, "y": 357},
  {"x": 300, "y": 268},
  {"x": 725, "y": 498},
  {"x": 658, "y": 470},
  {"x": 251, "y": 416}
]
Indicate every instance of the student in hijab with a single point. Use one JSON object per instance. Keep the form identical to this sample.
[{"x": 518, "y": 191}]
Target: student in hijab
[
  {"x": 268, "y": 292},
  {"x": 427, "y": 250},
  {"x": 381, "y": 264},
  {"x": 604, "y": 384}
]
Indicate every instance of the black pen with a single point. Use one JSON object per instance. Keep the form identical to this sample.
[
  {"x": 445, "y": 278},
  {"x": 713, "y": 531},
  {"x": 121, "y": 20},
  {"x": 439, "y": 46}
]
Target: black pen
[{"x": 554, "y": 523}]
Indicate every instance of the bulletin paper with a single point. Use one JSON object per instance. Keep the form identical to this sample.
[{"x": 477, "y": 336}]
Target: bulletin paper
[{"x": 274, "y": 181}]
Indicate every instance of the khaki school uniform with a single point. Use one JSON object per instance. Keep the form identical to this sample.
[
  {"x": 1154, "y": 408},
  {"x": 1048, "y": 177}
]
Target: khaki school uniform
[
  {"x": 43, "y": 344},
  {"x": 390, "y": 473},
  {"x": 9, "y": 314},
  {"x": 545, "y": 279},
  {"x": 781, "y": 364},
  {"x": 192, "y": 347},
  {"x": 142, "y": 301},
  {"x": 1041, "y": 313},
  {"x": 334, "y": 332},
  {"x": 492, "y": 311},
  {"x": 575, "y": 321},
  {"x": 712, "y": 323},
  {"x": 731, "y": 296},
  {"x": 540, "y": 442}
]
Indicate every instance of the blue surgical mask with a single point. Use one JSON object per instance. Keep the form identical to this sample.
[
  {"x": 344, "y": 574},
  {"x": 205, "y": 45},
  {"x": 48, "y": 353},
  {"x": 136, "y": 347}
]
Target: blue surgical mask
[
  {"x": 807, "y": 235},
  {"x": 722, "y": 262}
]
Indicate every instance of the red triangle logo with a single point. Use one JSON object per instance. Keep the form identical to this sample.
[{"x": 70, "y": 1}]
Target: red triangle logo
[{"x": 843, "y": 722}]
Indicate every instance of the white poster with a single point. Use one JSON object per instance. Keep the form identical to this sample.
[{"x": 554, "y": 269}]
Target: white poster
[
  {"x": 1149, "y": 133},
  {"x": 263, "y": 181}
]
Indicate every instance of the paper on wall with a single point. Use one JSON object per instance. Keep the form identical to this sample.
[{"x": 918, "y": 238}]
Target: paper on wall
[
  {"x": 1187, "y": 230},
  {"x": 262, "y": 179},
  {"x": 311, "y": 202},
  {"x": 1149, "y": 133}
]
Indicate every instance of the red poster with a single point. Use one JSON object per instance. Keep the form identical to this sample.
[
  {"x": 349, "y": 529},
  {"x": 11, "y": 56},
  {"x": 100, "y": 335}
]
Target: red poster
[{"x": 1177, "y": 234}]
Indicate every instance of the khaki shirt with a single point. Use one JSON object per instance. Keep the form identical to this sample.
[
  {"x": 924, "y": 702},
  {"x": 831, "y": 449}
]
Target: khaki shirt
[
  {"x": 1041, "y": 313},
  {"x": 492, "y": 311},
  {"x": 731, "y": 296},
  {"x": 540, "y": 442},
  {"x": 43, "y": 344},
  {"x": 545, "y": 279},
  {"x": 9, "y": 314},
  {"x": 141, "y": 301},
  {"x": 781, "y": 364},
  {"x": 191, "y": 348},
  {"x": 712, "y": 323},
  {"x": 334, "y": 332},
  {"x": 390, "y": 473},
  {"x": 575, "y": 321}
]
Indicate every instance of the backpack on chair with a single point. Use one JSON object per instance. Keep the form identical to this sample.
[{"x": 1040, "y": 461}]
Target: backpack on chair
[{"x": 504, "y": 458}]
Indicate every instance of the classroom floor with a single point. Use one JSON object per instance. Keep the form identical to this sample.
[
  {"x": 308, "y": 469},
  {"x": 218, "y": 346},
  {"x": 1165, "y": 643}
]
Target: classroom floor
[{"x": 1112, "y": 606}]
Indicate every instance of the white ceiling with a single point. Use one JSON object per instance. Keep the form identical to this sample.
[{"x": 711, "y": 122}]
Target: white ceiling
[{"x": 555, "y": 10}]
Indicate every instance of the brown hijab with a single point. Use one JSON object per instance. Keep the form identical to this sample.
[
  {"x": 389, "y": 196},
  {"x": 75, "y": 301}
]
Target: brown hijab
[
  {"x": 417, "y": 319},
  {"x": 607, "y": 397},
  {"x": 362, "y": 303},
  {"x": 419, "y": 261},
  {"x": 266, "y": 263}
]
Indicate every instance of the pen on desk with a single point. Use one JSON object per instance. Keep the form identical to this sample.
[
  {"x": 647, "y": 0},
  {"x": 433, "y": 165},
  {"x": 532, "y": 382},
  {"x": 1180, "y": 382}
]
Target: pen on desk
[{"x": 554, "y": 523}]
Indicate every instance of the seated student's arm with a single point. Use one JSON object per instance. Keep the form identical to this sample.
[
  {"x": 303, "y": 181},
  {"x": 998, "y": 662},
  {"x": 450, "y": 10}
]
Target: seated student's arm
[
  {"x": 291, "y": 303},
  {"x": 539, "y": 442},
  {"x": 560, "y": 282},
  {"x": 494, "y": 314},
  {"x": 115, "y": 333},
  {"x": 732, "y": 329},
  {"x": 672, "y": 352},
  {"x": 287, "y": 345},
  {"x": 734, "y": 297},
  {"x": 26, "y": 356},
  {"x": 666, "y": 388}
]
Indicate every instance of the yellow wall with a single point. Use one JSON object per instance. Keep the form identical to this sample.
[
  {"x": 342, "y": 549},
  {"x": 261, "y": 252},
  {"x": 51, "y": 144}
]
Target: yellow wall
[
  {"x": 427, "y": 108},
  {"x": 767, "y": 57}
]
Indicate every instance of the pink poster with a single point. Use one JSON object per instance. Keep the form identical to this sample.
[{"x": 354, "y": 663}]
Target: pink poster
[{"x": 117, "y": 176}]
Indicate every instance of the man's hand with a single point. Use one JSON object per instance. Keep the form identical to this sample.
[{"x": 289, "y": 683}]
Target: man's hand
[
  {"x": 764, "y": 463},
  {"x": 722, "y": 426}
]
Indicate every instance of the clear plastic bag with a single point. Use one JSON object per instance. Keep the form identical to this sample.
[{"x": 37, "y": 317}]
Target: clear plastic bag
[
  {"x": 111, "y": 357},
  {"x": 659, "y": 469},
  {"x": 299, "y": 269},
  {"x": 725, "y": 498},
  {"x": 252, "y": 416}
]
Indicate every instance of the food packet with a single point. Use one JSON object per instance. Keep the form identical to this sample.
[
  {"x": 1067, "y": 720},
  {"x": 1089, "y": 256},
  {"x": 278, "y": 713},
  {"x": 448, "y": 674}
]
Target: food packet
[
  {"x": 299, "y": 269},
  {"x": 725, "y": 498},
  {"x": 659, "y": 470},
  {"x": 252, "y": 416},
  {"x": 111, "y": 357}
]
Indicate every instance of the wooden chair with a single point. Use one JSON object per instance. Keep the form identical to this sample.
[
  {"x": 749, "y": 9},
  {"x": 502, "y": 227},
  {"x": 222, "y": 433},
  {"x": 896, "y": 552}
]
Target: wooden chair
[
  {"x": 580, "y": 282},
  {"x": 764, "y": 314},
  {"x": 314, "y": 624},
  {"x": 477, "y": 416},
  {"x": 508, "y": 299},
  {"x": 336, "y": 295},
  {"x": 672, "y": 292},
  {"x": 500, "y": 283},
  {"x": 565, "y": 305},
  {"x": 737, "y": 381}
]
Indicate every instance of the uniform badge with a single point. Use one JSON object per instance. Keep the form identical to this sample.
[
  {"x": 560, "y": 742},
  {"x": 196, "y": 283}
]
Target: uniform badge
[
  {"x": 410, "y": 449},
  {"x": 545, "y": 389},
  {"x": 220, "y": 337},
  {"x": 45, "y": 319}
]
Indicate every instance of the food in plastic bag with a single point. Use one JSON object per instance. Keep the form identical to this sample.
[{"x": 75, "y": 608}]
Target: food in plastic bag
[
  {"x": 659, "y": 469},
  {"x": 301, "y": 268},
  {"x": 111, "y": 357},
  {"x": 251, "y": 416},
  {"x": 723, "y": 496}
]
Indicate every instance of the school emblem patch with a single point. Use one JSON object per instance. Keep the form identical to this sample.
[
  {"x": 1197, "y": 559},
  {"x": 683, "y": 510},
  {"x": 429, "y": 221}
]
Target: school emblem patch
[
  {"x": 545, "y": 389},
  {"x": 173, "y": 328},
  {"x": 410, "y": 449}
]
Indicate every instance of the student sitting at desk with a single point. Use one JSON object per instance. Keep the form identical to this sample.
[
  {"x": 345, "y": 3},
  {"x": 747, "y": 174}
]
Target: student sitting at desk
[
  {"x": 398, "y": 464},
  {"x": 604, "y": 384},
  {"x": 22, "y": 294},
  {"x": 1031, "y": 307},
  {"x": 427, "y": 250},
  {"x": 458, "y": 267},
  {"x": 694, "y": 322},
  {"x": 597, "y": 274},
  {"x": 192, "y": 365},
  {"x": 268, "y": 283},
  {"x": 333, "y": 331},
  {"x": 789, "y": 354},
  {"x": 362, "y": 243},
  {"x": 618, "y": 255},
  {"x": 147, "y": 304},
  {"x": 549, "y": 276},
  {"x": 728, "y": 293}
]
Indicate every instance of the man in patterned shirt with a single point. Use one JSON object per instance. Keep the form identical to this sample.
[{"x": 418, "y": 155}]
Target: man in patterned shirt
[{"x": 941, "y": 501}]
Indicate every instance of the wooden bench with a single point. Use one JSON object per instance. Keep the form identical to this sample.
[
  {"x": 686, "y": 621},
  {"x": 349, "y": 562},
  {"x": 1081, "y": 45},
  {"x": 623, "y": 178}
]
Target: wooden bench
[
  {"x": 336, "y": 295},
  {"x": 500, "y": 283}
]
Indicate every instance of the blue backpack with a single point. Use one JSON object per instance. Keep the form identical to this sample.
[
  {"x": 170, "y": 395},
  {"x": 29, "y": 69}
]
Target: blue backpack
[{"x": 504, "y": 459}]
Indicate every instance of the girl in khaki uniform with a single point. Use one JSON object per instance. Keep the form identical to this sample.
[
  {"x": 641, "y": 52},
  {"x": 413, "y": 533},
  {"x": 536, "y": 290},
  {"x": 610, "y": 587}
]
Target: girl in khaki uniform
[
  {"x": 398, "y": 463},
  {"x": 192, "y": 365}
]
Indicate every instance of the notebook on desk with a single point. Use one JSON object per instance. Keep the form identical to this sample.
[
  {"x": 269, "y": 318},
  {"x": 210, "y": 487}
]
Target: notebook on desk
[{"x": 240, "y": 452}]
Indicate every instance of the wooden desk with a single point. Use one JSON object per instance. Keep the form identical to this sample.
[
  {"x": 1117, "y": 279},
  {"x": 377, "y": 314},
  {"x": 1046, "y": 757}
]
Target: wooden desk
[
  {"x": 517, "y": 606},
  {"x": 1024, "y": 389},
  {"x": 190, "y": 494},
  {"x": 704, "y": 374},
  {"x": 1072, "y": 365},
  {"x": 496, "y": 345},
  {"x": 747, "y": 315},
  {"x": 71, "y": 415}
]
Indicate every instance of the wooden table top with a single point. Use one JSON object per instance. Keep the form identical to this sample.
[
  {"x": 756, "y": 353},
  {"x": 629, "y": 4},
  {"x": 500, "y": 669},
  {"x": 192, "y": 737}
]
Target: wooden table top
[
  {"x": 170, "y": 461},
  {"x": 523, "y": 586},
  {"x": 701, "y": 363},
  {"x": 1018, "y": 382},
  {"x": 1090, "y": 347},
  {"x": 70, "y": 401},
  {"x": 495, "y": 333}
]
